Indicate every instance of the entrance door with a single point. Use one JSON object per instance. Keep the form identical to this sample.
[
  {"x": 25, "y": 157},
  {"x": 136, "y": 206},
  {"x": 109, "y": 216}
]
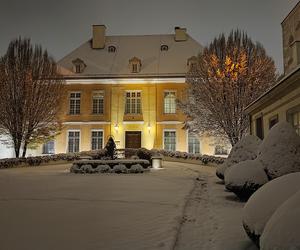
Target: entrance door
[{"x": 133, "y": 139}]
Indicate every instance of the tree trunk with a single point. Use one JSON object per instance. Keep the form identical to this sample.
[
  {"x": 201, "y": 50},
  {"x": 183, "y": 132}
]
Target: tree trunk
[{"x": 24, "y": 149}]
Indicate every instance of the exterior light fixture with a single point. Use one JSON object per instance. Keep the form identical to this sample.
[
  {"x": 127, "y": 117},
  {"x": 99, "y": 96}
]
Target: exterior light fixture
[{"x": 116, "y": 127}]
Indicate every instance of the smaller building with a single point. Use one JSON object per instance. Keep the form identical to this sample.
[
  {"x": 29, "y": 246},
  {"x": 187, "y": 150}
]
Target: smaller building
[{"x": 282, "y": 102}]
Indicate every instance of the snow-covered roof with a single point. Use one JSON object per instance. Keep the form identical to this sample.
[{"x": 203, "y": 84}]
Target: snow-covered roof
[{"x": 155, "y": 62}]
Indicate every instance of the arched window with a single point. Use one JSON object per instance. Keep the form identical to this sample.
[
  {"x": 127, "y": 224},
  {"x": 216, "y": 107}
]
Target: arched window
[
  {"x": 164, "y": 47},
  {"x": 112, "y": 49},
  {"x": 135, "y": 65},
  {"x": 78, "y": 65}
]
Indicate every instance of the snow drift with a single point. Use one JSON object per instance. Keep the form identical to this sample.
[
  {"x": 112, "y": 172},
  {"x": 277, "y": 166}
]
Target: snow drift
[
  {"x": 245, "y": 149},
  {"x": 261, "y": 206}
]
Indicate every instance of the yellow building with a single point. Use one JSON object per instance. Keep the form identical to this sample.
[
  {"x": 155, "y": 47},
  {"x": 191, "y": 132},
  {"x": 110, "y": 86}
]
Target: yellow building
[
  {"x": 126, "y": 87},
  {"x": 282, "y": 102}
]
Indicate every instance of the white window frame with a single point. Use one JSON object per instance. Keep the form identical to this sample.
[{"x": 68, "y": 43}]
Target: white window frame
[
  {"x": 67, "y": 144},
  {"x": 75, "y": 105},
  {"x": 187, "y": 142},
  {"x": 135, "y": 111},
  {"x": 164, "y": 102},
  {"x": 170, "y": 130},
  {"x": 98, "y": 98},
  {"x": 97, "y": 130}
]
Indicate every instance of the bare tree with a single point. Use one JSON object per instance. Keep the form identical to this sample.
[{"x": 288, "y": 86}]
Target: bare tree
[
  {"x": 31, "y": 91},
  {"x": 226, "y": 77}
]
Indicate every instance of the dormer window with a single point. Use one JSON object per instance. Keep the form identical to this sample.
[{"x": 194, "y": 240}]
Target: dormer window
[
  {"x": 112, "y": 49},
  {"x": 192, "y": 63},
  {"x": 78, "y": 66},
  {"x": 135, "y": 65},
  {"x": 164, "y": 47}
]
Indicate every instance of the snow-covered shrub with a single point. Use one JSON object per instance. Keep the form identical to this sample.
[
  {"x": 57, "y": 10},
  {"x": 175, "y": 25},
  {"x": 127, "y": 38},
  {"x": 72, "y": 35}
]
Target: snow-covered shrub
[
  {"x": 120, "y": 169},
  {"x": 245, "y": 149},
  {"x": 282, "y": 231},
  {"x": 280, "y": 151},
  {"x": 245, "y": 178},
  {"x": 87, "y": 168},
  {"x": 134, "y": 157},
  {"x": 145, "y": 154},
  {"x": 137, "y": 168},
  {"x": 102, "y": 168},
  {"x": 75, "y": 169},
  {"x": 261, "y": 205}
]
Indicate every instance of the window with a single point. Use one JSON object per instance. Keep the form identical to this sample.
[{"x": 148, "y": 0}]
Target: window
[
  {"x": 170, "y": 102},
  {"x": 133, "y": 102},
  {"x": 78, "y": 65},
  {"x": 48, "y": 148},
  {"x": 97, "y": 139},
  {"x": 164, "y": 47},
  {"x": 170, "y": 140},
  {"x": 220, "y": 150},
  {"x": 111, "y": 49},
  {"x": 273, "y": 120},
  {"x": 75, "y": 103},
  {"x": 193, "y": 144},
  {"x": 294, "y": 118},
  {"x": 98, "y": 102},
  {"x": 73, "y": 141},
  {"x": 259, "y": 127},
  {"x": 135, "y": 65}
]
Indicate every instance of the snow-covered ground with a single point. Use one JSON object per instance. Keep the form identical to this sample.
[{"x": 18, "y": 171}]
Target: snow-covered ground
[{"x": 179, "y": 207}]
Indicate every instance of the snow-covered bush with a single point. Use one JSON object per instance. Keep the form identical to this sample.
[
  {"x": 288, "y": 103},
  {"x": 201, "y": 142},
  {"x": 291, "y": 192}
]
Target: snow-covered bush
[
  {"x": 261, "y": 205},
  {"x": 137, "y": 168},
  {"x": 120, "y": 169},
  {"x": 280, "y": 151},
  {"x": 282, "y": 231},
  {"x": 134, "y": 157},
  {"x": 75, "y": 169},
  {"x": 102, "y": 168},
  {"x": 245, "y": 178},
  {"x": 87, "y": 168},
  {"x": 245, "y": 149}
]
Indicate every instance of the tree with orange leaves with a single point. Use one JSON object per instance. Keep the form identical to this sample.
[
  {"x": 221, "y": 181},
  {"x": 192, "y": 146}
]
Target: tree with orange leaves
[
  {"x": 31, "y": 92},
  {"x": 230, "y": 74}
]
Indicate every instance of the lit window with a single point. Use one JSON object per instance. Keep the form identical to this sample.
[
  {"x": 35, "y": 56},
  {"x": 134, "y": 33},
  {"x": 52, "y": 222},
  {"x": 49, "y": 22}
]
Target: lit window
[
  {"x": 220, "y": 150},
  {"x": 170, "y": 140},
  {"x": 193, "y": 144},
  {"x": 111, "y": 49},
  {"x": 75, "y": 103},
  {"x": 48, "y": 148},
  {"x": 98, "y": 102},
  {"x": 73, "y": 141},
  {"x": 97, "y": 140},
  {"x": 164, "y": 47},
  {"x": 170, "y": 102},
  {"x": 133, "y": 102}
]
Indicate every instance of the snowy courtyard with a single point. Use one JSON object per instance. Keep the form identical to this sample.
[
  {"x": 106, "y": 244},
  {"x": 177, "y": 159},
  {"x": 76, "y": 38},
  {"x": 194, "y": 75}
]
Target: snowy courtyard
[{"x": 181, "y": 206}]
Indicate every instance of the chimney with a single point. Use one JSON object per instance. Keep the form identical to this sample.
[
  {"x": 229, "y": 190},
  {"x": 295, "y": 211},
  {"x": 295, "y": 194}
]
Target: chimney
[
  {"x": 98, "y": 41},
  {"x": 180, "y": 34}
]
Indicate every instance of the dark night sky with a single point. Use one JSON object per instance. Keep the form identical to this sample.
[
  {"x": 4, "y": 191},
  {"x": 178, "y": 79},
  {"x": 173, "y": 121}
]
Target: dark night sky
[{"x": 61, "y": 26}]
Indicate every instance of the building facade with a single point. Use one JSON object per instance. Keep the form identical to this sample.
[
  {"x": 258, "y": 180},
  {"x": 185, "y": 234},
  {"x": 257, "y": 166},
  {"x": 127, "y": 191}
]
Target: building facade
[
  {"x": 126, "y": 87},
  {"x": 282, "y": 102}
]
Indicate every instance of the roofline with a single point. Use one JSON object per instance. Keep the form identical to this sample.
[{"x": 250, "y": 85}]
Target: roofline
[
  {"x": 290, "y": 12},
  {"x": 250, "y": 108},
  {"x": 125, "y": 76}
]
